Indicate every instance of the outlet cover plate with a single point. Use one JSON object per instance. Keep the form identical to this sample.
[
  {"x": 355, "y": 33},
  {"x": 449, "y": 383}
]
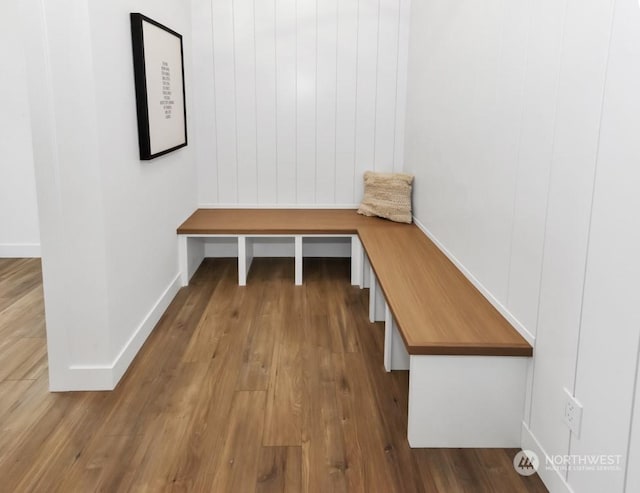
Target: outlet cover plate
[{"x": 572, "y": 413}]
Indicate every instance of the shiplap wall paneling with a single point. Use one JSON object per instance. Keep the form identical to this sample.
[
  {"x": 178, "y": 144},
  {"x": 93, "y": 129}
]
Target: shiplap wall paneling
[
  {"x": 306, "y": 31},
  {"x": 266, "y": 97},
  {"x": 326, "y": 99},
  {"x": 307, "y": 95},
  {"x": 386, "y": 81},
  {"x": 577, "y": 127},
  {"x": 225, "y": 99},
  {"x": 286, "y": 100},
  {"x": 366, "y": 82},
  {"x": 245, "y": 84},
  {"x": 204, "y": 134},
  {"x": 606, "y": 373},
  {"x": 346, "y": 77},
  {"x": 534, "y": 165},
  {"x": 534, "y": 160},
  {"x": 536, "y": 105},
  {"x": 401, "y": 85}
]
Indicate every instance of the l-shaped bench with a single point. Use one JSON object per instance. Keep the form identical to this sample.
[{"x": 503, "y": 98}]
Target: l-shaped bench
[{"x": 467, "y": 365}]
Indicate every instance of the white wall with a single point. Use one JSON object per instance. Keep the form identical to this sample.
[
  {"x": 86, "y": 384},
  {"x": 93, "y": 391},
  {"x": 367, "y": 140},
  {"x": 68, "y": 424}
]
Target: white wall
[
  {"x": 108, "y": 219},
  {"x": 606, "y": 371},
  {"x": 297, "y": 98},
  {"x": 526, "y": 173},
  {"x": 633, "y": 473},
  {"x": 19, "y": 230},
  {"x": 144, "y": 202},
  {"x": 578, "y": 106}
]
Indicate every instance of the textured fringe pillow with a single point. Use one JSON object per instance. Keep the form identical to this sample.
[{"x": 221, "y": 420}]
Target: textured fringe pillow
[{"x": 387, "y": 195}]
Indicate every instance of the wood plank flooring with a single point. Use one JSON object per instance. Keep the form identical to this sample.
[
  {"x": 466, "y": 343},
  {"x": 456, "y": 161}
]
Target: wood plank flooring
[{"x": 266, "y": 388}]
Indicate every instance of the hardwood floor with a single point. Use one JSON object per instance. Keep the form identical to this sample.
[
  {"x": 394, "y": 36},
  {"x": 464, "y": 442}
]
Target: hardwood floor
[{"x": 265, "y": 388}]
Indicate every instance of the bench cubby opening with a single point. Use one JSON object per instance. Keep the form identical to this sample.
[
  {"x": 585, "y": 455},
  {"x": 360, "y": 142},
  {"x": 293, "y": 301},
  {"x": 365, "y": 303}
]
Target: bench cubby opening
[{"x": 194, "y": 248}]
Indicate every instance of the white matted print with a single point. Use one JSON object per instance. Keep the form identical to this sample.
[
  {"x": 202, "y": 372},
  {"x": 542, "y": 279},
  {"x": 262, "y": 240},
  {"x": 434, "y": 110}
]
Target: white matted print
[{"x": 159, "y": 79}]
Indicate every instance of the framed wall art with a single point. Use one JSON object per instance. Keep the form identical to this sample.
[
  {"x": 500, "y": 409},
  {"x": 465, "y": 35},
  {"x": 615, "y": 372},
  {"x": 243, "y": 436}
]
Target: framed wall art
[{"x": 158, "y": 66}]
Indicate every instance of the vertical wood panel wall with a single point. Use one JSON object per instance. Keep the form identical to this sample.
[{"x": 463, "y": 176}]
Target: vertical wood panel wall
[
  {"x": 522, "y": 124},
  {"x": 295, "y": 99}
]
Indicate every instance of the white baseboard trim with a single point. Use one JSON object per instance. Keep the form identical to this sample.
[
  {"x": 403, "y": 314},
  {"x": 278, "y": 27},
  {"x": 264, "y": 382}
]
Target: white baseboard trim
[
  {"x": 20, "y": 250},
  {"x": 135, "y": 342},
  {"x": 277, "y": 206},
  {"x": 504, "y": 311},
  {"x": 106, "y": 377},
  {"x": 81, "y": 378},
  {"x": 552, "y": 478}
]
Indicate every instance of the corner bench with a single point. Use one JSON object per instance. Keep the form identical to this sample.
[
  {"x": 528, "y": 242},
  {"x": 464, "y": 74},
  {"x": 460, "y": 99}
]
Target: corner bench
[{"x": 467, "y": 365}]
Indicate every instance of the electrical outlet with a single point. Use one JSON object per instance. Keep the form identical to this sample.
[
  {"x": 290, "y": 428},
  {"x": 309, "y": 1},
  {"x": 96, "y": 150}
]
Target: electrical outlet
[{"x": 572, "y": 413}]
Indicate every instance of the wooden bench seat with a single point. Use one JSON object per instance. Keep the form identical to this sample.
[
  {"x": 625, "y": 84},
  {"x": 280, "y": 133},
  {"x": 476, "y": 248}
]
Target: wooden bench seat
[
  {"x": 275, "y": 221},
  {"x": 438, "y": 311},
  {"x": 454, "y": 342}
]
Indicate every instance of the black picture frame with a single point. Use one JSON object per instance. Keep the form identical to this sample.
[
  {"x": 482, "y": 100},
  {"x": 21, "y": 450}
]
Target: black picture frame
[{"x": 161, "y": 109}]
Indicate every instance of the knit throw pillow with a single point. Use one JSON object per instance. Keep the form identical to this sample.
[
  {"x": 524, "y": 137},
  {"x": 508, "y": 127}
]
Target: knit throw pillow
[{"x": 387, "y": 195}]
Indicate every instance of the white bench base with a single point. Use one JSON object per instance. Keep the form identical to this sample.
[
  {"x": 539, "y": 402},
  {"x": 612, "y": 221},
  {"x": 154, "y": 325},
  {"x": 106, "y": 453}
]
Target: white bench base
[
  {"x": 191, "y": 253},
  {"x": 395, "y": 353},
  {"x": 466, "y": 401},
  {"x": 455, "y": 401},
  {"x": 377, "y": 303}
]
